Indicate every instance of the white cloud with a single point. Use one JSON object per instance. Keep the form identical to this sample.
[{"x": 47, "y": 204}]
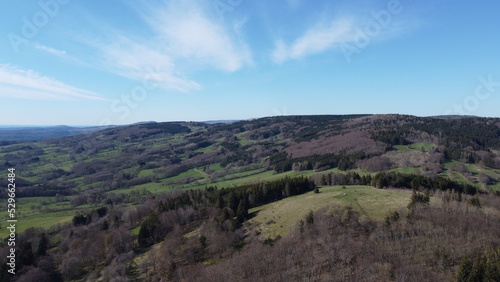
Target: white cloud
[
  {"x": 140, "y": 62},
  {"x": 190, "y": 33},
  {"x": 28, "y": 84},
  {"x": 50, "y": 50},
  {"x": 182, "y": 38},
  {"x": 358, "y": 31},
  {"x": 316, "y": 40}
]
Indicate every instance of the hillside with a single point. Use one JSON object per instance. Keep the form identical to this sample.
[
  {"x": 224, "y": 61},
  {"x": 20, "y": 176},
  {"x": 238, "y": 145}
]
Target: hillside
[
  {"x": 180, "y": 155},
  {"x": 115, "y": 202}
]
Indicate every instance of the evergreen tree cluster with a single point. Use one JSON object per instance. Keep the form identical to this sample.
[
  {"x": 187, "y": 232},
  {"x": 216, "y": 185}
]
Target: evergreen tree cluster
[
  {"x": 478, "y": 133},
  {"x": 236, "y": 200},
  {"x": 419, "y": 182},
  {"x": 419, "y": 198},
  {"x": 348, "y": 178},
  {"x": 396, "y": 180},
  {"x": 86, "y": 219},
  {"x": 27, "y": 254},
  {"x": 391, "y": 137},
  {"x": 480, "y": 267},
  {"x": 252, "y": 195}
]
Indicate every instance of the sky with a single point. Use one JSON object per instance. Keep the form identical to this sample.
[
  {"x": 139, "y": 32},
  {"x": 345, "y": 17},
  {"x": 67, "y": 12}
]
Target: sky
[{"x": 116, "y": 62}]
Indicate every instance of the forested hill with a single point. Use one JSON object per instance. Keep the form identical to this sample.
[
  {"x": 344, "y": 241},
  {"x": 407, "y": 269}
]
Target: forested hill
[
  {"x": 128, "y": 156},
  {"x": 184, "y": 201}
]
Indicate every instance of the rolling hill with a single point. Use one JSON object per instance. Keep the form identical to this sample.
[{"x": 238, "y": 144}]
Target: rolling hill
[{"x": 218, "y": 190}]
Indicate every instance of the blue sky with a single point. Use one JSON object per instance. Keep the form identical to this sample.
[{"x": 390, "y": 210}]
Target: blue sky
[{"x": 120, "y": 62}]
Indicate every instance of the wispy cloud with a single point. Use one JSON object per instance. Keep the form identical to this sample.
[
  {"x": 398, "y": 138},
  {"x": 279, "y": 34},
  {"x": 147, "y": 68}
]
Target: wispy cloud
[
  {"x": 316, "y": 40},
  {"x": 51, "y": 50},
  {"x": 28, "y": 84},
  {"x": 190, "y": 33},
  {"x": 334, "y": 34},
  {"x": 182, "y": 39},
  {"x": 139, "y": 62}
]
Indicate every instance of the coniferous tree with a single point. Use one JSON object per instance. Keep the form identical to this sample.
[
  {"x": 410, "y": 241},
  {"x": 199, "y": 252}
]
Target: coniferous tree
[
  {"x": 464, "y": 270},
  {"x": 241, "y": 211},
  {"x": 26, "y": 256},
  {"x": 146, "y": 233},
  {"x": 43, "y": 245}
]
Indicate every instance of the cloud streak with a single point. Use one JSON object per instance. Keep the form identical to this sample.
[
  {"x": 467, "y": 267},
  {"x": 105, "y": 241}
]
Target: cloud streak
[
  {"x": 182, "y": 39},
  {"x": 316, "y": 40},
  {"x": 138, "y": 62},
  {"x": 190, "y": 33},
  {"x": 50, "y": 50},
  {"x": 28, "y": 84},
  {"x": 336, "y": 34}
]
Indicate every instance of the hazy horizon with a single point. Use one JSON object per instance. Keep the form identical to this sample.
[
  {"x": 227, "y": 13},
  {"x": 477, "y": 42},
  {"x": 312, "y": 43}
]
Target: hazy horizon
[{"x": 20, "y": 126}]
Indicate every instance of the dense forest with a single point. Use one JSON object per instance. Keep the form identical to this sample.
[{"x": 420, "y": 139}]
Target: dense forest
[{"x": 181, "y": 201}]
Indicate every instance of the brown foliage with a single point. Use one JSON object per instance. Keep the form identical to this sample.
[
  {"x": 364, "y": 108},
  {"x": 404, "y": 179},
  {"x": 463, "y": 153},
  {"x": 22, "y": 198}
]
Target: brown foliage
[
  {"x": 350, "y": 142},
  {"x": 375, "y": 164},
  {"x": 425, "y": 244}
]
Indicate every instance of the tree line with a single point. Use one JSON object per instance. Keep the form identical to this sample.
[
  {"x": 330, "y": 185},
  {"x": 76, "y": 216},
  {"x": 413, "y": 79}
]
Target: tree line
[{"x": 231, "y": 201}]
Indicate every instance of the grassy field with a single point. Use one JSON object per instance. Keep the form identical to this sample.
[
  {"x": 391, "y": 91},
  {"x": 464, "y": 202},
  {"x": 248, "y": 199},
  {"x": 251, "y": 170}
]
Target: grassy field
[
  {"x": 415, "y": 147},
  {"x": 495, "y": 186},
  {"x": 146, "y": 172},
  {"x": 279, "y": 217},
  {"x": 243, "y": 140},
  {"x": 447, "y": 165},
  {"x": 152, "y": 187},
  {"x": 408, "y": 170},
  {"x": 457, "y": 177},
  {"x": 28, "y": 217},
  {"x": 206, "y": 149},
  {"x": 216, "y": 167},
  {"x": 476, "y": 169},
  {"x": 45, "y": 220}
]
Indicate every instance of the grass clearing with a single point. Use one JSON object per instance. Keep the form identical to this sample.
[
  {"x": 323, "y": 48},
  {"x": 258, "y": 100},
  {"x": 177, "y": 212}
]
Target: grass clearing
[
  {"x": 408, "y": 170},
  {"x": 426, "y": 147},
  {"x": 447, "y": 165},
  {"x": 38, "y": 220},
  {"x": 279, "y": 217},
  {"x": 243, "y": 140},
  {"x": 152, "y": 187},
  {"x": 476, "y": 169},
  {"x": 207, "y": 149},
  {"x": 458, "y": 177},
  {"x": 216, "y": 167},
  {"x": 495, "y": 187},
  {"x": 403, "y": 148},
  {"x": 192, "y": 173},
  {"x": 146, "y": 172},
  {"x": 135, "y": 231}
]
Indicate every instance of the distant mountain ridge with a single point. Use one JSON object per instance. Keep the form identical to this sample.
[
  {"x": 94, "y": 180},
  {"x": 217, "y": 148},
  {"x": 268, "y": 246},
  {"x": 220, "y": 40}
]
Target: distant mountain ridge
[
  {"x": 33, "y": 133},
  {"x": 36, "y": 133}
]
